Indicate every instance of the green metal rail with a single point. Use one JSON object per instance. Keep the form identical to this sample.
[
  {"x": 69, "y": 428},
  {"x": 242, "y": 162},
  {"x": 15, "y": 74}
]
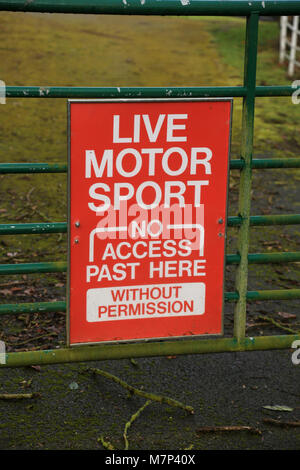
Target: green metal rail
[
  {"x": 154, "y": 7},
  {"x": 146, "y": 92},
  {"x": 61, "y": 266},
  {"x": 149, "y": 349},
  {"x": 61, "y": 227},
  {"x": 249, "y": 92},
  {"x": 235, "y": 164}
]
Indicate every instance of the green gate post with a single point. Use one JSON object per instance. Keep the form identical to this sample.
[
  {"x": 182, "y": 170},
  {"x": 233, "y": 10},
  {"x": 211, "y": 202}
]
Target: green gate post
[{"x": 246, "y": 173}]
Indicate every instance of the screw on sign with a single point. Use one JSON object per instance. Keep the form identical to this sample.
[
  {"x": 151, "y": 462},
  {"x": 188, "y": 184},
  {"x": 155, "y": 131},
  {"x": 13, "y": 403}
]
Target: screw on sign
[{"x": 147, "y": 210}]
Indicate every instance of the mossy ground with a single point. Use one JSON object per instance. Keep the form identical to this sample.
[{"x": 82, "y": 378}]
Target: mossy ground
[{"x": 127, "y": 51}]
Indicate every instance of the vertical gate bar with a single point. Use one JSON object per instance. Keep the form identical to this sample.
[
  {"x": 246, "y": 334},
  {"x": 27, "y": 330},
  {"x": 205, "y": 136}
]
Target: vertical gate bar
[{"x": 246, "y": 172}]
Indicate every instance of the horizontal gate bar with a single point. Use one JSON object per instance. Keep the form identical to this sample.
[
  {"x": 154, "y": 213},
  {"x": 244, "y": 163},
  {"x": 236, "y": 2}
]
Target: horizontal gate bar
[
  {"x": 235, "y": 164},
  {"x": 262, "y": 258},
  {"x": 259, "y": 220},
  {"x": 61, "y": 266},
  {"x": 154, "y": 7},
  {"x": 280, "y": 294},
  {"x": 33, "y": 228},
  {"x": 15, "y": 168},
  {"x": 34, "y": 307},
  {"x": 62, "y": 227},
  {"x": 128, "y": 92},
  {"x": 265, "y": 91},
  {"x": 30, "y": 268},
  {"x": 266, "y": 163},
  {"x": 46, "y": 307},
  {"x": 144, "y": 92},
  {"x": 147, "y": 349}
]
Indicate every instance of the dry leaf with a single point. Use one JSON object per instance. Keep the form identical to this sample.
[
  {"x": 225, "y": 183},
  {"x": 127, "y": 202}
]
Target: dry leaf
[{"x": 278, "y": 408}]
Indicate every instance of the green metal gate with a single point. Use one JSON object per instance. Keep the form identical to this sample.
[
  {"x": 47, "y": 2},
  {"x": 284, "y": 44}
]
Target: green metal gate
[{"x": 249, "y": 92}]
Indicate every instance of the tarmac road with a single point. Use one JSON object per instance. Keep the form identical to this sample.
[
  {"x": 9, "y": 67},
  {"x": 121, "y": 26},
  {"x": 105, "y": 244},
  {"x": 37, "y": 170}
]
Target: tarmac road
[{"x": 225, "y": 389}]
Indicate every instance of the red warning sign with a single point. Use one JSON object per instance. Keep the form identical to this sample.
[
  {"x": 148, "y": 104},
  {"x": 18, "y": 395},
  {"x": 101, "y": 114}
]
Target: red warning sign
[{"x": 147, "y": 211}]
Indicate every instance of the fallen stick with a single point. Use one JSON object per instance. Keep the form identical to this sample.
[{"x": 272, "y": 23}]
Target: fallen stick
[
  {"x": 35, "y": 338},
  {"x": 106, "y": 444},
  {"x": 141, "y": 393},
  {"x": 18, "y": 396},
  {"x": 13, "y": 283},
  {"x": 208, "y": 429},
  {"x": 283, "y": 424},
  {"x": 134, "y": 362},
  {"x": 278, "y": 324},
  {"x": 132, "y": 419}
]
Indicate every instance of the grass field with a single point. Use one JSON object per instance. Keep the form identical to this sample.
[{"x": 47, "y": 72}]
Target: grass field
[{"x": 71, "y": 50}]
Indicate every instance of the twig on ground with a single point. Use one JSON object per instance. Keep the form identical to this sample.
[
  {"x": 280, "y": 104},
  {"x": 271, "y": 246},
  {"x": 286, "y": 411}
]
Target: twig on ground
[
  {"x": 106, "y": 444},
  {"x": 190, "y": 447},
  {"x": 29, "y": 193},
  {"x": 18, "y": 396},
  {"x": 141, "y": 393},
  {"x": 282, "y": 424},
  {"x": 13, "y": 283},
  {"x": 134, "y": 362},
  {"x": 132, "y": 419},
  {"x": 278, "y": 324},
  {"x": 36, "y": 337},
  {"x": 208, "y": 429}
]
